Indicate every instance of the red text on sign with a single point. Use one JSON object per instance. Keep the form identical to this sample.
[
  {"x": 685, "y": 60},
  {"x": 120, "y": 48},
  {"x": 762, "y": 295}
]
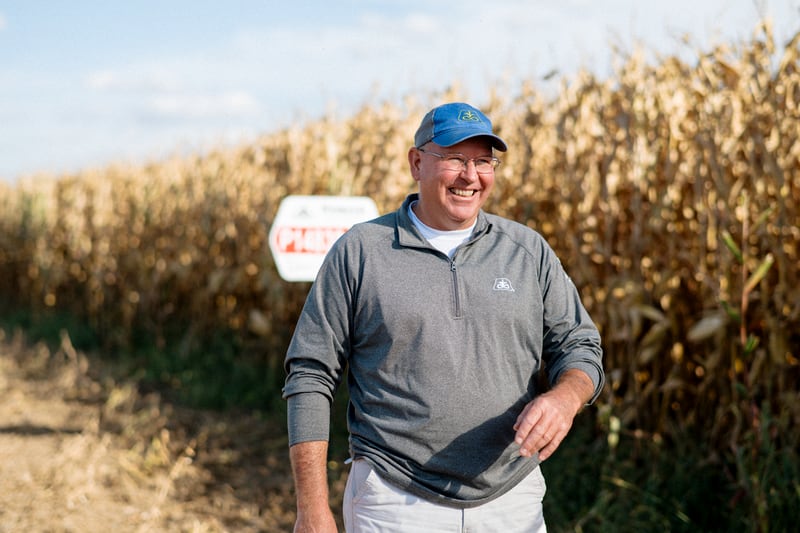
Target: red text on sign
[{"x": 300, "y": 240}]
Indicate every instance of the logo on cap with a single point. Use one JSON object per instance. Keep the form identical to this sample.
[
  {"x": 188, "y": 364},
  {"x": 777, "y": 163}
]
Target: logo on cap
[{"x": 468, "y": 115}]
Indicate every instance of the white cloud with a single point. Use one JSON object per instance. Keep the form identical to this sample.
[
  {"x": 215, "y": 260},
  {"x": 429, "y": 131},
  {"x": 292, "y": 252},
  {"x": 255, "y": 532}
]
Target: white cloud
[
  {"x": 204, "y": 106},
  {"x": 414, "y": 52},
  {"x": 149, "y": 79},
  {"x": 173, "y": 91},
  {"x": 421, "y": 24}
]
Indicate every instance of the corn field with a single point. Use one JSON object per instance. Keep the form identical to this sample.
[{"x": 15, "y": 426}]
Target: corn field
[{"x": 671, "y": 192}]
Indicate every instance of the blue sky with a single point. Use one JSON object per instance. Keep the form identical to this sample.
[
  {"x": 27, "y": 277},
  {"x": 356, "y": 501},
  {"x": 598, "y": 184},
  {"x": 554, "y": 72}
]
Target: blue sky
[{"x": 87, "y": 83}]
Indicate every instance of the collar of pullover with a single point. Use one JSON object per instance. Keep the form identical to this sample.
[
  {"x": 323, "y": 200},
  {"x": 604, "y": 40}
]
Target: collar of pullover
[{"x": 408, "y": 234}]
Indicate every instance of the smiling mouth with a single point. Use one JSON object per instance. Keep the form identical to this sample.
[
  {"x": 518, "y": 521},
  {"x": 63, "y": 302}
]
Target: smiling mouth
[{"x": 464, "y": 193}]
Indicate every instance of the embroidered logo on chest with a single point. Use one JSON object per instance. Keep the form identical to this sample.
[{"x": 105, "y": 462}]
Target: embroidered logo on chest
[{"x": 502, "y": 284}]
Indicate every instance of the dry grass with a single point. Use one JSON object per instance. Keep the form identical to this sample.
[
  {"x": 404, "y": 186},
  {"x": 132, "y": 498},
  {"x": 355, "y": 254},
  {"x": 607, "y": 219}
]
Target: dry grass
[{"x": 82, "y": 452}]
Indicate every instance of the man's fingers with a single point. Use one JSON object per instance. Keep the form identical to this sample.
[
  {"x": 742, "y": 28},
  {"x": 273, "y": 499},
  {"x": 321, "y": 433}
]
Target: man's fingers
[
  {"x": 548, "y": 450},
  {"x": 526, "y": 421},
  {"x": 540, "y": 427},
  {"x": 536, "y": 440},
  {"x": 537, "y": 433},
  {"x": 543, "y": 442},
  {"x": 531, "y": 430}
]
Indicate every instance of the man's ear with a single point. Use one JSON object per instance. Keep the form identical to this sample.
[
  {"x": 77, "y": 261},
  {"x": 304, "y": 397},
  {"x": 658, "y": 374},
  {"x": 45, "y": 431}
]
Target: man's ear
[{"x": 414, "y": 161}]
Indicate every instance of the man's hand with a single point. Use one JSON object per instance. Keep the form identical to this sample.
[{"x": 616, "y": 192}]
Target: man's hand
[
  {"x": 309, "y": 466},
  {"x": 545, "y": 421}
]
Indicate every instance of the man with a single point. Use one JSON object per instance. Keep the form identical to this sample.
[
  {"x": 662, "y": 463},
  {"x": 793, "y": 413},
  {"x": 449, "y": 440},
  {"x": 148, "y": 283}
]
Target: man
[{"x": 440, "y": 316}]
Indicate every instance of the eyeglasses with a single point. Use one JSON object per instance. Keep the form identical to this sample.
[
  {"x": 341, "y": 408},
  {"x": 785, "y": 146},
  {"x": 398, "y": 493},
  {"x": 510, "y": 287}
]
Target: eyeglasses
[{"x": 458, "y": 163}]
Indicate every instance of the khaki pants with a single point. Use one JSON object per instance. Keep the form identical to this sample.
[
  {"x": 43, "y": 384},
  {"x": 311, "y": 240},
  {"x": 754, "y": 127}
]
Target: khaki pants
[{"x": 372, "y": 505}]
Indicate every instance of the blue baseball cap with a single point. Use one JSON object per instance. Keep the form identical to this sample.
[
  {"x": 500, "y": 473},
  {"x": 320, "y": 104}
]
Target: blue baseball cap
[{"x": 452, "y": 123}]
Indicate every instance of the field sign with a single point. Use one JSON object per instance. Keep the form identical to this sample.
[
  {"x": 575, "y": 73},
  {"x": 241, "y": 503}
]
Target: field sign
[{"x": 306, "y": 227}]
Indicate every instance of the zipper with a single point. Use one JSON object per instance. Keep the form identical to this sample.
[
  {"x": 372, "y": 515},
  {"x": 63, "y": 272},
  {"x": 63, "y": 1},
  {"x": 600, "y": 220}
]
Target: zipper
[{"x": 456, "y": 294}]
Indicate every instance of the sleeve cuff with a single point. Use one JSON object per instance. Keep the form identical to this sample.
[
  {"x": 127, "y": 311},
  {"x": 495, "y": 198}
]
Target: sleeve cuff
[
  {"x": 594, "y": 373},
  {"x": 308, "y": 417}
]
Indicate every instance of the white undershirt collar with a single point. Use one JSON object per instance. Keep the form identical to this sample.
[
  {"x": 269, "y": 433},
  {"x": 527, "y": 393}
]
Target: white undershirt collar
[{"x": 444, "y": 241}]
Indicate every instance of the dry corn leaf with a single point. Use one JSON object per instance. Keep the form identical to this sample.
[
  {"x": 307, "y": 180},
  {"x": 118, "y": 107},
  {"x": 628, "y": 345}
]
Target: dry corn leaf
[{"x": 707, "y": 327}]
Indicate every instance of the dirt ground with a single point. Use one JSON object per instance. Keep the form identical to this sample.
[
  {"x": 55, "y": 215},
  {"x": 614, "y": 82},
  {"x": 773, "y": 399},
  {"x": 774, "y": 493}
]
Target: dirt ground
[{"x": 82, "y": 452}]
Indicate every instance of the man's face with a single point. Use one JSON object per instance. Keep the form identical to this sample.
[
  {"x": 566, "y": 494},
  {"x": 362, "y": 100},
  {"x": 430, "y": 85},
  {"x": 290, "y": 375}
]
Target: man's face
[{"x": 450, "y": 200}]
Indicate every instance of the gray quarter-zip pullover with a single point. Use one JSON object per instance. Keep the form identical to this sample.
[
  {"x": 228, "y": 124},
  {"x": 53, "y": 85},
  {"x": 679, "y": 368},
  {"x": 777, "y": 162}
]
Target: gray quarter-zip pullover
[{"x": 441, "y": 355}]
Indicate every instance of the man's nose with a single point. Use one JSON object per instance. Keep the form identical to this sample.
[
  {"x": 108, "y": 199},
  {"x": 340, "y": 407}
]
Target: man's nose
[{"x": 470, "y": 170}]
